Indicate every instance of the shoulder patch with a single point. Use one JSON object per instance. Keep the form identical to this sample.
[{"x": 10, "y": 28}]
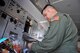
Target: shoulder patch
[{"x": 66, "y": 14}]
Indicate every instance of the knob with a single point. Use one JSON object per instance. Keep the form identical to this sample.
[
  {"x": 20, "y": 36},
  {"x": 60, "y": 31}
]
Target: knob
[
  {"x": 18, "y": 11},
  {"x": 2, "y": 3},
  {"x": 11, "y": 19},
  {"x": 4, "y": 15},
  {"x": 15, "y": 21}
]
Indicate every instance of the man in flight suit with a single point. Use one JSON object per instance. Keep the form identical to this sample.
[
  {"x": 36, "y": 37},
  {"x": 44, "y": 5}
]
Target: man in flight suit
[{"x": 61, "y": 36}]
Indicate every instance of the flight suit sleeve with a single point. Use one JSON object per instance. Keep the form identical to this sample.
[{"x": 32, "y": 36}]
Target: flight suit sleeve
[{"x": 52, "y": 39}]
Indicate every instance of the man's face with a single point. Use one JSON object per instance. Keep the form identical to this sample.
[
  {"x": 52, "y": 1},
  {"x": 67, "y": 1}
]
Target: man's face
[{"x": 49, "y": 12}]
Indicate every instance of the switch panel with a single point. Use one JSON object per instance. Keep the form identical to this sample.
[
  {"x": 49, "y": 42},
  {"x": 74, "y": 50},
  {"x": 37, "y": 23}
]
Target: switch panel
[
  {"x": 16, "y": 11},
  {"x": 3, "y": 21}
]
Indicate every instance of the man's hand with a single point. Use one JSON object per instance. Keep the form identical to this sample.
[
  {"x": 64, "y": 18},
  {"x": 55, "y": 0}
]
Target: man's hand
[{"x": 30, "y": 45}]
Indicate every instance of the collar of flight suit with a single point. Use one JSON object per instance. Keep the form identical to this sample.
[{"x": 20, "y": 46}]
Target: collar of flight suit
[{"x": 55, "y": 18}]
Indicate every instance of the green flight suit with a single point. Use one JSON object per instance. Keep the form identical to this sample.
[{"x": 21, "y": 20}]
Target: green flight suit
[{"x": 61, "y": 37}]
